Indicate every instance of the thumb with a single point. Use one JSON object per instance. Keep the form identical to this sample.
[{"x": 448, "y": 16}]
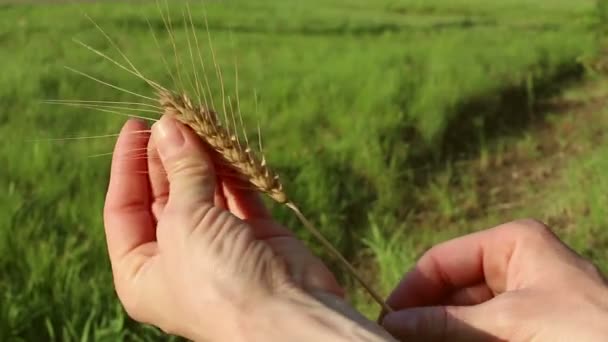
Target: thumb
[
  {"x": 443, "y": 323},
  {"x": 189, "y": 168}
]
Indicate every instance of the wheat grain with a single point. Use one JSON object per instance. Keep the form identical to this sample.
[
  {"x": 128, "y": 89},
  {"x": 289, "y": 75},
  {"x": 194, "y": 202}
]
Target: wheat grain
[{"x": 242, "y": 158}]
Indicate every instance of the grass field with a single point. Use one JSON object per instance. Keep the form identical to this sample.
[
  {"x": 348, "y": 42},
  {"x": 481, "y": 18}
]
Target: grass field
[{"x": 420, "y": 112}]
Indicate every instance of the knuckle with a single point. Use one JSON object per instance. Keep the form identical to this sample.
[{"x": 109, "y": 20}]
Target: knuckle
[
  {"x": 190, "y": 167},
  {"x": 195, "y": 217},
  {"x": 532, "y": 228},
  {"x": 179, "y": 221},
  {"x": 222, "y": 232},
  {"x": 211, "y": 216},
  {"x": 212, "y": 223},
  {"x": 242, "y": 237},
  {"x": 532, "y": 224},
  {"x": 200, "y": 216}
]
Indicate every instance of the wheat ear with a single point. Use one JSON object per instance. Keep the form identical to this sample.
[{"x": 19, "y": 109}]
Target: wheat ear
[{"x": 254, "y": 170}]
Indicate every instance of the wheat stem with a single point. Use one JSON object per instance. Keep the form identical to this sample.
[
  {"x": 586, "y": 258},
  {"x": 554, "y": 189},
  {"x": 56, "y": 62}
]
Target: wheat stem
[{"x": 351, "y": 269}]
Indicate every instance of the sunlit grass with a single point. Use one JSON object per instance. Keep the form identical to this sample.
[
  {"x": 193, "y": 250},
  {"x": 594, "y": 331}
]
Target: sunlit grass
[{"x": 347, "y": 93}]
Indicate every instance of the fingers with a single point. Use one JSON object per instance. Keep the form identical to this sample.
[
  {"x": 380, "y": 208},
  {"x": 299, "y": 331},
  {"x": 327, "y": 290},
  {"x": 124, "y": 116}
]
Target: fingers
[
  {"x": 481, "y": 257},
  {"x": 160, "y": 184},
  {"x": 477, "y": 287},
  {"x": 190, "y": 172},
  {"x": 444, "y": 323},
  {"x": 127, "y": 218},
  {"x": 472, "y": 295},
  {"x": 243, "y": 202}
]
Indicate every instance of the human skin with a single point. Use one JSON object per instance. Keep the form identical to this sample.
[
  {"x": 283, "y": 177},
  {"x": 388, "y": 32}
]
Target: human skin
[
  {"x": 200, "y": 257},
  {"x": 515, "y": 282}
]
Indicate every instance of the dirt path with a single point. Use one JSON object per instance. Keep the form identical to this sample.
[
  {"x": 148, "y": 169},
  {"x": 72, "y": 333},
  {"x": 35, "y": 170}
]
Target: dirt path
[
  {"x": 510, "y": 177},
  {"x": 514, "y": 177}
]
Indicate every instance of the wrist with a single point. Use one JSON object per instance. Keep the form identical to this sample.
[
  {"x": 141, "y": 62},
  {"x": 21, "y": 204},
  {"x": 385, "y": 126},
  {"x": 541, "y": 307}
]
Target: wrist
[{"x": 300, "y": 316}]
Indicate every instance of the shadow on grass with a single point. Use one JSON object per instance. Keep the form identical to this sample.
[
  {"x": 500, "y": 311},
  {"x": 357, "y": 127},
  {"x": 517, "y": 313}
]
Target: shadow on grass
[
  {"x": 483, "y": 120},
  {"x": 490, "y": 117},
  {"x": 315, "y": 29},
  {"x": 311, "y": 29}
]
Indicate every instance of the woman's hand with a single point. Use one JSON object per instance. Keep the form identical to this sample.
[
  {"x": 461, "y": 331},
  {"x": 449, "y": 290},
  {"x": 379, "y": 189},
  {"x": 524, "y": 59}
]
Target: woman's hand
[
  {"x": 201, "y": 258},
  {"x": 515, "y": 282}
]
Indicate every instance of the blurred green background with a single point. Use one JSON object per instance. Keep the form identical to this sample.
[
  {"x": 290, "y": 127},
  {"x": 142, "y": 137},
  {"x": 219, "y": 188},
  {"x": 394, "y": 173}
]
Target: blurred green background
[{"x": 395, "y": 125}]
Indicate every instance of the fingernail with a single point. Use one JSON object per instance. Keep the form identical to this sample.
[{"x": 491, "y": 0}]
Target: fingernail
[{"x": 169, "y": 137}]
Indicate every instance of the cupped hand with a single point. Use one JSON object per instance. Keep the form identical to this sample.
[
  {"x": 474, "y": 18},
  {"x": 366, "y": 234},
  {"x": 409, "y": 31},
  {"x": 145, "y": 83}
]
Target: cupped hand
[
  {"x": 191, "y": 252},
  {"x": 515, "y": 282}
]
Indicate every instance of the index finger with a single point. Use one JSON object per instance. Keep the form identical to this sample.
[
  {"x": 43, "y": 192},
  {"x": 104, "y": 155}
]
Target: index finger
[{"x": 481, "y": 257}]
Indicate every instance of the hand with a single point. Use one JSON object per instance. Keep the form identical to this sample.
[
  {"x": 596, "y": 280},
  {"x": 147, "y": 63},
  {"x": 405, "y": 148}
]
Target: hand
[
  {"x": 201, "y": 258},
  {"x": 515, "y": 282}
]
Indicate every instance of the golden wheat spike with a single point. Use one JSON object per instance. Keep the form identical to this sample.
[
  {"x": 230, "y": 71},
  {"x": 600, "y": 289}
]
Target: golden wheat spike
[
  {"x": 254, "y": 170},
  {"x": 205, "y": 124}
]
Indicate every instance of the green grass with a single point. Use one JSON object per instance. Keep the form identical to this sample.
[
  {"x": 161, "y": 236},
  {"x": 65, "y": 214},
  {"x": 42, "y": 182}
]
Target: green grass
[
  {"x": 377, "y": 86},
  {"x": 572, "y": 201}
]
